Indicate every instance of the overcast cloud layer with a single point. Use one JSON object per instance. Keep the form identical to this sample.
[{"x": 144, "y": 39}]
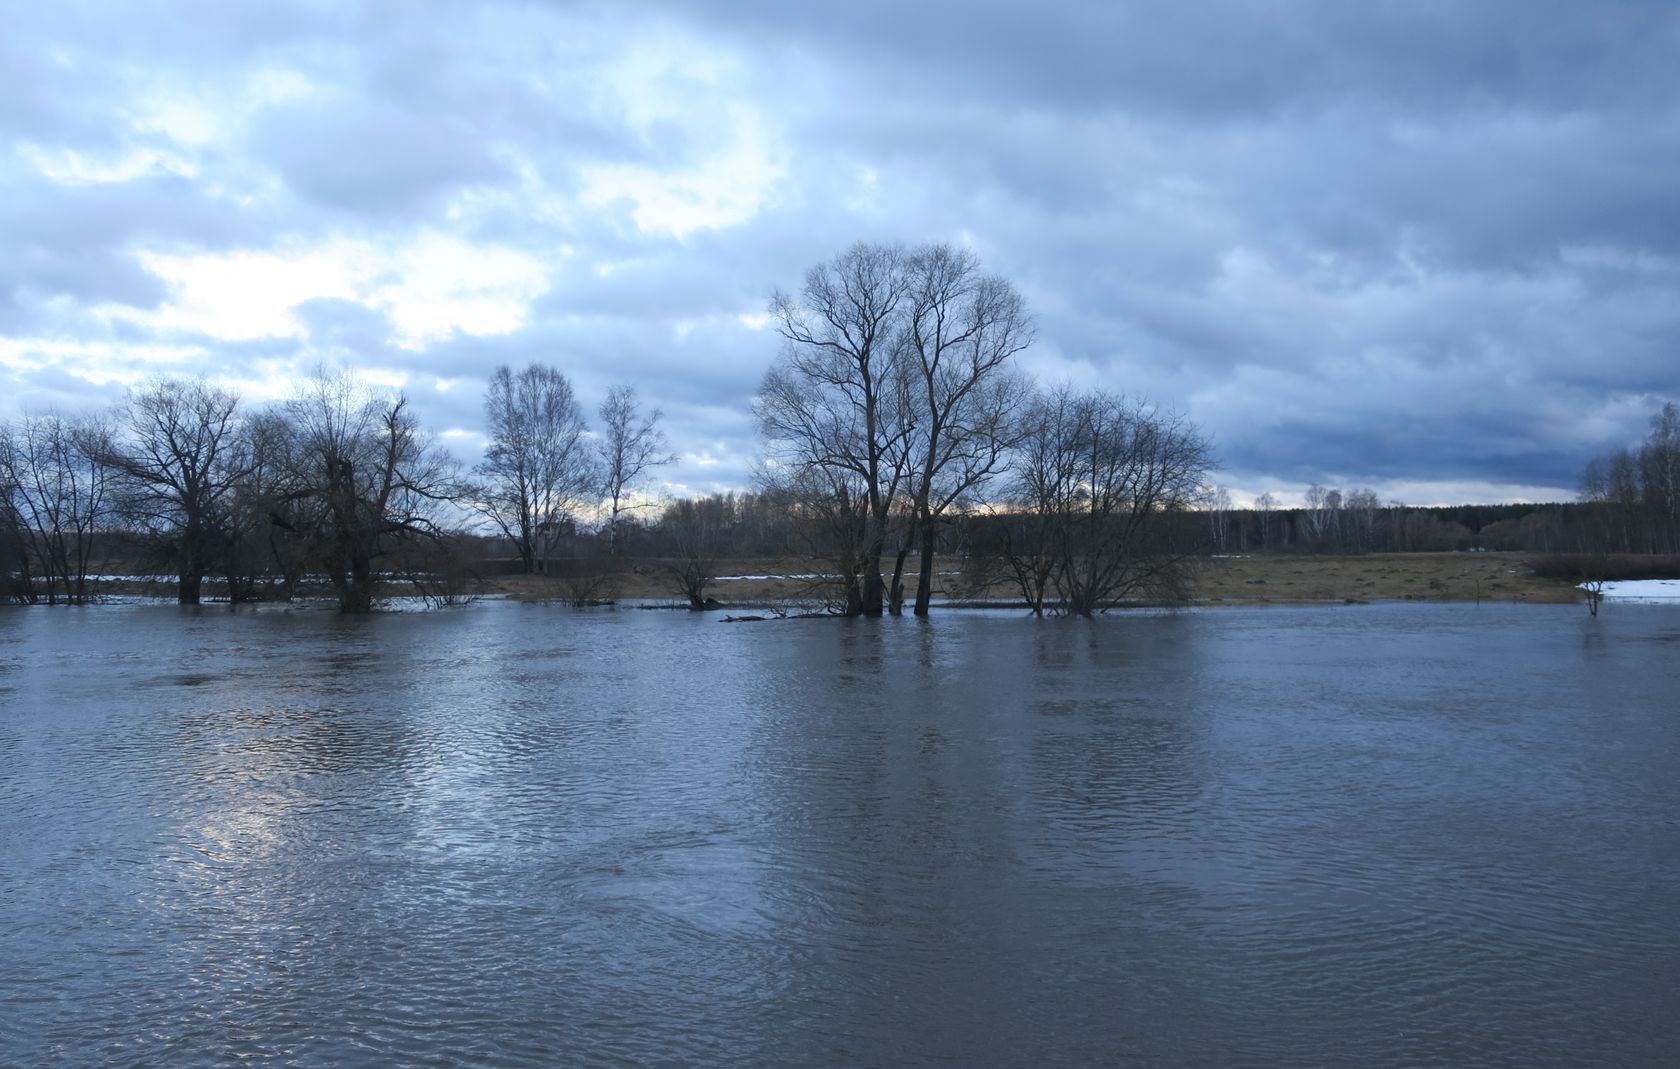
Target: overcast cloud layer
[{"x": 1429, "y": 248}]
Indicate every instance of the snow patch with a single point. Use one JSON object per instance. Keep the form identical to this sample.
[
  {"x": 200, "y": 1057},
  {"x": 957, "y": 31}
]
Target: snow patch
[{"x": 1648, "y": 590}]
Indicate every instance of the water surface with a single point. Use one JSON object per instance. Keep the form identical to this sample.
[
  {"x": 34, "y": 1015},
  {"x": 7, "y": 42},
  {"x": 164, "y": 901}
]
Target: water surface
[{"x": 513, "y": 835}]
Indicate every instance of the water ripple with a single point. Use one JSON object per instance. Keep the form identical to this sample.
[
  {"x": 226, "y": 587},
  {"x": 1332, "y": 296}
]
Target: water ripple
[{"x": 522, "y": 836}]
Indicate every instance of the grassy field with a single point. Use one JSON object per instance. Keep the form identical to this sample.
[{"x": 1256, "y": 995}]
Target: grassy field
[
  {"x": 1380, "y": 577},
  {"x": 1464, "y": 577}
]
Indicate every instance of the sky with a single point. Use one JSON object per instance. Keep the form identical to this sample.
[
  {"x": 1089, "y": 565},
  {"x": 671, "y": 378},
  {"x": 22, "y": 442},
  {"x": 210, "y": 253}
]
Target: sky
[{"x": 1426, "y": 247}]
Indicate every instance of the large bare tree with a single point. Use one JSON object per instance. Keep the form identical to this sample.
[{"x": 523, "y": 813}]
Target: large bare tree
[
  {"x": 962, "y": 327},
  {"x": 180, "y": 461},
  {"x": 539, "y": 470},
  {"x": 836, "y": 409},
  {"x": 631, "y": 445},
  {"x": 366, "y": 481}
]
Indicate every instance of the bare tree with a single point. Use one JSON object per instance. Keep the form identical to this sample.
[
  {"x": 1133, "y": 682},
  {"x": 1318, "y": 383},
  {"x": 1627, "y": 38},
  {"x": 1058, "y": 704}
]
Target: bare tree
[
  {"x": 1635, "y": 492},
  {"x": 179, "y": 464},
  {"x": 368, "y": 481},
  {"x": 1362, "y": 507},
  {"x": 694, "y": 539},
  {"x": 1100, "y": 479},
  {"x": 1323, "y": 506},
  {"x": 58, "y": 483},
  {"x": 828, "y": 513},
  {"x": 264, "y": 557},
  {"x": 539, "y": 470},
  {"x": 631, "y": 446},
  {"x": 1046, "y": 483},
  {"x": 1659, "y": 475},
  {"x": 836, "y": 409},
  {"x": 1265, "y": 505},
  {"x": 962, "y": 327},
  {"x": 1217, "y": 503}
]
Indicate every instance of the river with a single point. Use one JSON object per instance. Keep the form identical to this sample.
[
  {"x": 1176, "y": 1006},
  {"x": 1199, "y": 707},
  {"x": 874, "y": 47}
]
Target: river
[{"x": 523, "y": 835}]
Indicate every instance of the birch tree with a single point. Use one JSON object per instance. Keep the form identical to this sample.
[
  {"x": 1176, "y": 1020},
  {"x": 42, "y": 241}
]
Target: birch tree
[{"x": 630, "y": 447}]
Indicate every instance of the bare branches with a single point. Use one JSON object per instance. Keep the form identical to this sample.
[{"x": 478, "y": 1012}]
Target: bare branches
[
  {"x": 363, "y": 480},
  {"x": 1637, "y": 492},
  {"x": 631, "y": 446},
  {"x": 895, "y": 374},
  {"x": 963, "y": 328},
  {"x": 538, "y": 471},
  {"x": 1097, "y": 475},
  {"x": 57, "y": 488},
  {"x": 836, "y": 409},
  {"x": 179, "y": 466}
]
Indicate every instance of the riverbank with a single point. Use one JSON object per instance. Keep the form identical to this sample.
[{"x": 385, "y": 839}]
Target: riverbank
[
  {"x": 1231, "y": 580},
  {"x": 1237, "y": 580}
]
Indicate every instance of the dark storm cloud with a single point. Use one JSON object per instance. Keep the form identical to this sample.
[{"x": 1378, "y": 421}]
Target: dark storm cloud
[
  {"x": 1390, "y": 243},
  {"x": 1222, "y": 59}
]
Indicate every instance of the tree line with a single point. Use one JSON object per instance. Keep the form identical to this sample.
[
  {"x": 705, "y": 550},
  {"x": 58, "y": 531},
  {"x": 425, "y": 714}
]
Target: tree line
[
  {"x": 1635, "y": 492},
  {"x": 337, "y": 483},
  {"x": 896, "y": 426},
  {"x": 894, "y": 408}
]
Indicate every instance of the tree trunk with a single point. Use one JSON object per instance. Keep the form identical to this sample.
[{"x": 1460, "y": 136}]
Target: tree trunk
[
  {"x": 895, "y": 598},
  {"x": 872, "y": 591},
  {"x": 191, "y": 578},
  {"x": 854, "y": 596},
  {"x": 356, "y": 596},
  {"x": 924, "y": 585}
]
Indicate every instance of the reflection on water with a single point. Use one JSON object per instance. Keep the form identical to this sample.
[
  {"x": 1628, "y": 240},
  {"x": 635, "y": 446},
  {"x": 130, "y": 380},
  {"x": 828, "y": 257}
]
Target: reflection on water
[{"x": 520, "y": 835}]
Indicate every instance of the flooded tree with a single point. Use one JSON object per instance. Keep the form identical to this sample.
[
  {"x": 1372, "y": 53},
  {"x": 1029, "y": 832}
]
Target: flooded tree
[
  {"x": 263, "y": 556},
  {"x": 694, "y": 535},
  {"x": 539, "y": 469},
  {"x": 894, "y": 395},
  {"x": 57, "y": 482},
  {"x": 837, "y": 408},
  {"x": 366, "y": 481},
  {"x": 1099, "y": 481},
  {"x": 631, "y": 445},
  {"x": 179, "y": 462},
  {"x": 962, "y": 328}
]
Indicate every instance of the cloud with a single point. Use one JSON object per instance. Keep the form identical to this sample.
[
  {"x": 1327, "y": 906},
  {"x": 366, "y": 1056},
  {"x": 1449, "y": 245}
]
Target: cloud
[
  {"x": 370, "y": 158},
  {"x": 430, "y": 288},
  {"x": 1407, "y": 246}
]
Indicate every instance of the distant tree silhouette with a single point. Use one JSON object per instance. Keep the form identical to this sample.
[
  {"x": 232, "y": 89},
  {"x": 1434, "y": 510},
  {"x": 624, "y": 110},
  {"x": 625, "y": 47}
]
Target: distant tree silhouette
[
  {"x": 631, "y": 445},
  {"x": 539, "y": 470}
]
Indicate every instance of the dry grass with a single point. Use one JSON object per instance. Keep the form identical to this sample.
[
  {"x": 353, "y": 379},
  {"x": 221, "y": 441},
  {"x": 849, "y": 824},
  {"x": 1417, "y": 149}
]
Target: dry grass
[
  {"x": 1379, "y": 577},
  {"x": 1227, "y": 581}
]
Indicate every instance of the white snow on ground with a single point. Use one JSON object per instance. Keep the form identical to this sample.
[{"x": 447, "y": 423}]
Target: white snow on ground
[
  {"x": 800, "y": 575},
  {"x": 813, "y": 575},
  {"x": 1662, "y": 590}
]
